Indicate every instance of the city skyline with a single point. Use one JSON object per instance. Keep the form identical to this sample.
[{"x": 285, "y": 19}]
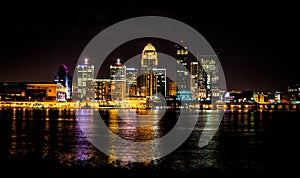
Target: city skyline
[
  {"x": 199, "y": 80},
  {"x": 251, "y": 44}
]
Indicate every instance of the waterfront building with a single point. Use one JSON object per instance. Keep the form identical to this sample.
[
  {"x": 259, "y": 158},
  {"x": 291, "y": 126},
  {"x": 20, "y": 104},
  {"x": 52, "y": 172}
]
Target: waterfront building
[
  {"x": 41, "y": 91},
  {"x": 198, "y": 81},
  {"x": 102, "y": 92},
  {"x": 12, "y": 91},
  {"x": 63, "y": 80},
  {"x": 183, "y": 75},
  {"x": 131, "y": 81},
  {"x": 85, "y": 76},
  {"x": 212, "y": 69},
  {"x": 118, "y": 81},
  {"x": 148, "y": 80},
  {"x": 160, "y": 80}
]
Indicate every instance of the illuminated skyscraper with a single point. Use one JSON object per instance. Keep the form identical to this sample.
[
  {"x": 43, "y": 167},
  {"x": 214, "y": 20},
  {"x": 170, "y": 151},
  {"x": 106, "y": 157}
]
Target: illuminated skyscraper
[
  {"x": 118, "y": 79},
  {"x": 85, "y": 76},
  {"x": 182, "y": 68},
  {"x": 149, "y": 58},
  {"x": 131, "y": 81},
  {"x": 118, "y": 71},
  {"x": 160, "y": 80},
  {"x": 148, "y": 80},
  {"x": 212, "y": 69},
  {"x": 198, "y": 81},
  {"x": 183, "y": 76},
  {"x": 194, "y": 78},
  {"x": 63, "y": 80}
]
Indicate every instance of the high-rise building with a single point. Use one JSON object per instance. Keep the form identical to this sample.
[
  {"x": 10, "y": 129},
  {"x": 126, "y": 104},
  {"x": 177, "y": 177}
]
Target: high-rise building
[
  {"x": 182, "y": 68},
  {"x": 183, "y": 76},
  {"x": 194, "y": 79},
  {"x": 198, "y": 81},
  {"x": 160, "y": 80},
  {"x": 118, "y": 79},
  {"x": 85, "y": 76},
  {"x": 212, "y": 71},
  {"x": 148, "y": 83},
  {"x": 63, "y": 80},
  {"x": 131, "y": 81},
  {"x": 117, "y": 71}
]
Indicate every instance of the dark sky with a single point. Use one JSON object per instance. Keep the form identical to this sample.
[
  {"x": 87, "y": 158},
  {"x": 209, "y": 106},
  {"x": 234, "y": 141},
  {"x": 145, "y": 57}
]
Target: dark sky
[{"x": 256, "y": 43}]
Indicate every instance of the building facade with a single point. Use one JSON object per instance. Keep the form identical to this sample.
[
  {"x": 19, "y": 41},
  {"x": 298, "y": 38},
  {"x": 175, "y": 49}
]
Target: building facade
[
  {"x": 63, "y": 80},
  {"x": 118, "y": 81},
  {"x": 85, "y": 76},
  {"x": 161, "y": 85},
  {"x": 148, "y": 80},
  {"x": 212, "y": 71},
  {"x": 131, "y": 81}
]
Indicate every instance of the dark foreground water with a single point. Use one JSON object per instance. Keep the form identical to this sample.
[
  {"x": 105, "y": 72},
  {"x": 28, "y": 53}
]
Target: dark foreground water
[{"x": 253, "y": 144}]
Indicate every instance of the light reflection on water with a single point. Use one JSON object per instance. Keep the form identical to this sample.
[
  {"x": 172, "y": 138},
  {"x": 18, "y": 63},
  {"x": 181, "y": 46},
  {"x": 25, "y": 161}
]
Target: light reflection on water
[{"x": 52, "y": 135}]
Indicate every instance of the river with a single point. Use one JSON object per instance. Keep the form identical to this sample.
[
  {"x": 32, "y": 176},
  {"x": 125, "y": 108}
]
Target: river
[{"x": 246, "y": 144}]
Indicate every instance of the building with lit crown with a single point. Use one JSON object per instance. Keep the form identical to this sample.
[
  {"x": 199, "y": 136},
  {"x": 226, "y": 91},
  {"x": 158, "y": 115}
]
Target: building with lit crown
[
  {"x": 148, "y": 76},
  {"x": 85, "y": 76},
  {"x": 118, "y": 80}
]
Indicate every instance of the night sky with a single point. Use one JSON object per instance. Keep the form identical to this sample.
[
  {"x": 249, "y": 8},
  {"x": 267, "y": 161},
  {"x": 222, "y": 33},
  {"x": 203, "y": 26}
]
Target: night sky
[{"x": 256, "y": 43}]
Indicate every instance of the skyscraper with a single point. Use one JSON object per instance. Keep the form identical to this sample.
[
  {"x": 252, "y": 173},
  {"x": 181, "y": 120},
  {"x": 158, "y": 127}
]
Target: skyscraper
[
  {"x": 183, "y": 76},
  {"x": 212, "y": 70},
  {"x": 198, "y": 81},
  {"x": 131, "y": 81},
  {"x": 118, "y": 79},
  {"x": 85, "y": 76},
  {"x": 63, "y": 80},
  {"x": 182, "y": 68},
  {"x": 160, "y": 80},
  {"x": 148, "y": 83}
]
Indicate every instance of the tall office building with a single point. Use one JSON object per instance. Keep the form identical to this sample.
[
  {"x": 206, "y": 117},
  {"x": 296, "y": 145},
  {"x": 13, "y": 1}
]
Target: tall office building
[
  {"x": 118, "y": 71},
  {"x": 85, "y": 76},
  {"x": 182, "y": 68},
  {"x": 194, "y": 78},
  {"x": 183, "y": 76},
  {"x": 118, "y": 79},
  {"x": 131, "y": 81},
  {"x": 63, "y": 80},
  {"x": 160, "y": 80},
  {"x": 148, "y": 80},
  {"x": 198, "y": 81},
  {"x": 212, "y": 70}
]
